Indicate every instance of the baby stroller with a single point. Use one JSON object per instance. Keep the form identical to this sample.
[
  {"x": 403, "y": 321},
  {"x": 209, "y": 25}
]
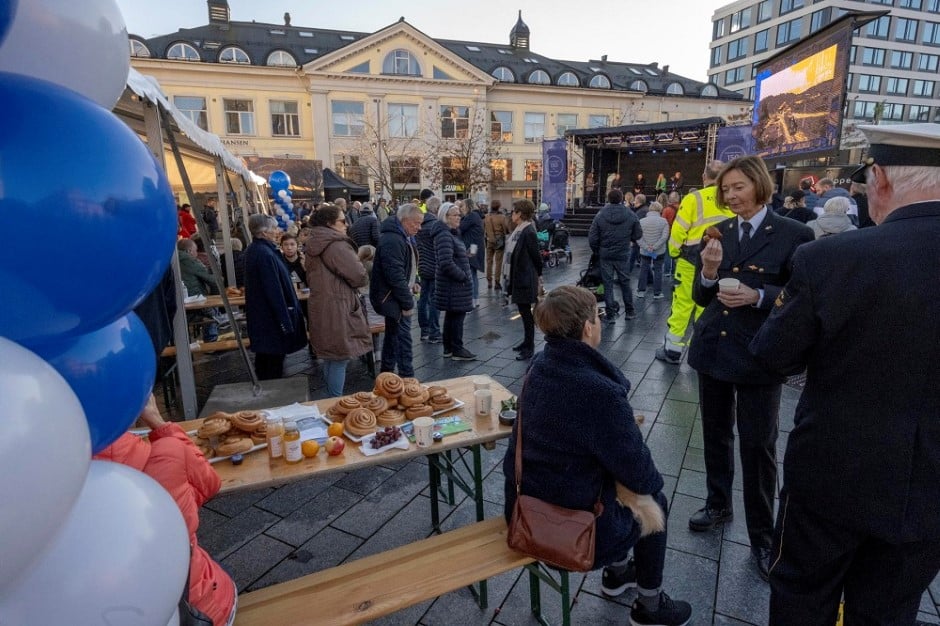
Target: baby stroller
[
  {"x": 558, "y": 246},
  {"x": 591, "y": 280}
]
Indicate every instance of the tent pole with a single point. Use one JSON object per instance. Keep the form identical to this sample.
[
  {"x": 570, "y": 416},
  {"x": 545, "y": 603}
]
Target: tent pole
[
  {"x": 224, "y": 213},
  {"x": 213, "y": 262},
  {"x": 184, "y": 358}
]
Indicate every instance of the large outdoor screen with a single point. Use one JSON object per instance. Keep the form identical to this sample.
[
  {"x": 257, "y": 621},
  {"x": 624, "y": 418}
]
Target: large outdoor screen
[{"x": 799, "y": 96}]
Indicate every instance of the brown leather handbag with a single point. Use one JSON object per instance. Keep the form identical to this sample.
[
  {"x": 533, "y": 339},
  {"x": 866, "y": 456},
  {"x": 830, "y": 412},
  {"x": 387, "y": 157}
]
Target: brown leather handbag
[{"x": 563, "y": 538}]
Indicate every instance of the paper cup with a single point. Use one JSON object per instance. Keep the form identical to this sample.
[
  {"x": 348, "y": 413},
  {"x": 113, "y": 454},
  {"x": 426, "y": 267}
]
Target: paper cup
[
  {"x": 473, "y": 249},
  {"x": 483, "y": 398},
  {"x": 424, "y": 431},
  {"x": 729, "y": 284},
  {"x": 481, "y": 382}
]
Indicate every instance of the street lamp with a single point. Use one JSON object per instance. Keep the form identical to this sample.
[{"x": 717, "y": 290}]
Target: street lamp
[{"x": 378, "y": 146}]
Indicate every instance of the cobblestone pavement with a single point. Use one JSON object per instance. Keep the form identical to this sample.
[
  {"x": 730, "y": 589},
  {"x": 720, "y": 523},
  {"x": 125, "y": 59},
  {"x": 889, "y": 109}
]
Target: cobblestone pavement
[{"x": 272, "y": 535}]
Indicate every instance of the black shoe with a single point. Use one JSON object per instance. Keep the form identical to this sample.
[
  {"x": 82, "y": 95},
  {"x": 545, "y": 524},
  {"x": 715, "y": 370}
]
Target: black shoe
[
  {"x": 616, "y": 580},
  {"x": 462, "y": 354},
  {"x": 762, "y": 556},
  {"x": 497, "y": 286},
  {"x": 670, "y": 613},
  {"x": 669, "y": 356},
  {"x": 518, "y": 347},
  {"x": 525, "y": 355},
  {"x": 630, "y": 316},
  {"x": 448, "y": 353},
  {"x": 706, "y": 518}
]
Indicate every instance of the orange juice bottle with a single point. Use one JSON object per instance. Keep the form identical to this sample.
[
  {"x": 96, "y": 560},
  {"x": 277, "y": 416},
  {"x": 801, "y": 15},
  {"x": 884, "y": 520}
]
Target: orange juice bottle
[
  {"x": 275, "y": 436},
  {"x": 293, "y": 452}
]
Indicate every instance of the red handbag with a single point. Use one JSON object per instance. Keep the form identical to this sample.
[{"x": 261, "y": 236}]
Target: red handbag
[{"x": 561, "y": 537}]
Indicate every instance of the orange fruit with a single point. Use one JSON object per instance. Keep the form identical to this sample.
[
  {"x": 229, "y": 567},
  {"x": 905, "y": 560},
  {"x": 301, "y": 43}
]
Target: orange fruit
[
  {"x": 335, "y": 429},
  {"x": 310, "y": 448}
]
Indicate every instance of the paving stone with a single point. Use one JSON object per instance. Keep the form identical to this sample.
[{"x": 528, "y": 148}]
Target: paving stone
[
  {"x": 305, "y": 522},
  {"x": 667, "y": 444},
  {"x": 232, "y": 505},
  {"x": 677, "y": 413},
  {"x": 703, "y": 544},
  {"x": 516, "y": 608},
  {"x": 694, "y": 459},
  {"x": 254, "y": 559},
  {"x": 368, "y": 515},
  {"x": 723, "y": 620},
  {"x": 209, "y": 519},
  {"x": 411, "y": 523},
  {"x": 292, "y": 496},
  {"x": 327, "y": 549},
  {"x": 741, "y": 592},
  {"x": 366, "y": 480},
  {"x": 692, "y": 483},
  {"x": 236, "y": 532}
]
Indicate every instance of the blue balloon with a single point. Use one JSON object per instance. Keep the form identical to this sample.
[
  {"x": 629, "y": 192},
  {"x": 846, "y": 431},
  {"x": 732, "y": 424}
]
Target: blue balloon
[
  {"x": 278, "y": 180},
  {"x": 7, "y": 11},
  {"x": 111, "y": 370},
  {"x": 102, "y": 207}
]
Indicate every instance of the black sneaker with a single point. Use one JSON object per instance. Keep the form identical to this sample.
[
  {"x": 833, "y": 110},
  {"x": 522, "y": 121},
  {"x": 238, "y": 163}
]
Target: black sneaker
[
  {"x": 616, "y": 580},
  {"x": 669, "y": 356},
  {"x": 448, "y": 354},
  {"x": 462, "y": 354},
  {"x": 631, "y": 315},
  {"x": 670, "y": 613},
  {"x": 434, "y": 340}
]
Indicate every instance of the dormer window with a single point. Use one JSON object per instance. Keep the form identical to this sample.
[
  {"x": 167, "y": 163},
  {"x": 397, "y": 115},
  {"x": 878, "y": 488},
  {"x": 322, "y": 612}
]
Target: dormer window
[
  {"x": 138, "y": 49},
  {"x": 233, "y": 54},
  {"x": 182, "y": 52},
  {"x": 504, "y": 75},
  {"x": 639, "y": 85},
  {"x": 599, "y": 81},
  {"x": 401, "y": 62},
  {"x": 539, "y": 77},
  {"x": 568, "y": 79},
  {"x": 709, "y": 91},
  {"x": 280, "y": 58},
  {"x": 675, "y": 89}
]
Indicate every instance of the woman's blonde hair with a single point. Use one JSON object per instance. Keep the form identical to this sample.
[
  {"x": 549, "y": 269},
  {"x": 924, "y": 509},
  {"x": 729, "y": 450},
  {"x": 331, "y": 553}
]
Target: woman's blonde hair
[{"x": 563, "y": 311}]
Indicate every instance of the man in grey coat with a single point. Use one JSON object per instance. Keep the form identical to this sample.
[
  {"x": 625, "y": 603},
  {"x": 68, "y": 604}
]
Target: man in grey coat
[{"x": 613, "y": 231}]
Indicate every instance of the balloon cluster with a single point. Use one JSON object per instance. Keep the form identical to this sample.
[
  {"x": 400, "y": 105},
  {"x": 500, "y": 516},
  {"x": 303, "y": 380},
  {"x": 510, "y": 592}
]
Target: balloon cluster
[
  {"x": 84, "y": 541},
  {"x": 279, "y": 182}
]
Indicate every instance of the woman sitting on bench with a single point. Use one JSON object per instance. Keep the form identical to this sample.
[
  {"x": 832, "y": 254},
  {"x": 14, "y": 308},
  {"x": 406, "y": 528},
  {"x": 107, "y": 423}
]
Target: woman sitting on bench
[{"x": 581, "y": 440}]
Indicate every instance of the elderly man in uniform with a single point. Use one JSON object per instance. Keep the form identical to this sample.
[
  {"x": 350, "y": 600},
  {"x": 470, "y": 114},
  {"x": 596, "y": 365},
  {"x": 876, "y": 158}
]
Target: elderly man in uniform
[{"x": 859, "y": 512}]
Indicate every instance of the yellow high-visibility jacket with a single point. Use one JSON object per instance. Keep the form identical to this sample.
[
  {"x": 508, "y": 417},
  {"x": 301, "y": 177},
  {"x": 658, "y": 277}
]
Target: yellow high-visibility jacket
[{"x": 696, "y": 213}]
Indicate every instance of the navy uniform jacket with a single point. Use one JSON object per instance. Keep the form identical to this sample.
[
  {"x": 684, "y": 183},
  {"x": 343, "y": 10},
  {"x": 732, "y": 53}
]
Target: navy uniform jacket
[
  {"x": 275, "y": 322},
  {"x": 720, "y": 343},
  {"x": 862, "y": 313}
]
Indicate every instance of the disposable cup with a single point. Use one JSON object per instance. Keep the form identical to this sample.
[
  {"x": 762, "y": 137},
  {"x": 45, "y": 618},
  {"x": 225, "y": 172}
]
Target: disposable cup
[
  {"x": 424, "y": 431},
  {"x": 481, "y": 382},
  {"x": 483, "y": 398},
  {"x": 729, "y": 284},
  {"x": 473, "y": 249}
]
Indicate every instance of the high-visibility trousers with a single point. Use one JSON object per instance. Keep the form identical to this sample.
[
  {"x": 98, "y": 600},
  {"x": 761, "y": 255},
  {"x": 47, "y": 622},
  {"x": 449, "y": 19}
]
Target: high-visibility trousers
[{"x": 684, "y": 310}]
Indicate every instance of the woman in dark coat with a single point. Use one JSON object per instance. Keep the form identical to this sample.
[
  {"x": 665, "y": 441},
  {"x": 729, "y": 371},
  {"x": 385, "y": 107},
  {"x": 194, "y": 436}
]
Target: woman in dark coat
[
  {"x": 579, "y": 440},
  {"x": 471, "y": 232},
  {"x": 525, "y": 272},
  {"x": 452, "y": 282},
  {"x": 275, "y": 324}
]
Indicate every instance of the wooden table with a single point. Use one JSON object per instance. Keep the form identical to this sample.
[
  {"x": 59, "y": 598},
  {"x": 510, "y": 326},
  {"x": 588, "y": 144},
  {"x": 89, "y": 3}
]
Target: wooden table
[
  {"x": 259, "y": 471},
  {"x": 214, "y": 301}
]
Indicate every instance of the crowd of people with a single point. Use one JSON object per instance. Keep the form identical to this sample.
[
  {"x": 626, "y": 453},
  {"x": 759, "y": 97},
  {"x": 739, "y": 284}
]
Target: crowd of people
[{"x": 760, "y": 292}]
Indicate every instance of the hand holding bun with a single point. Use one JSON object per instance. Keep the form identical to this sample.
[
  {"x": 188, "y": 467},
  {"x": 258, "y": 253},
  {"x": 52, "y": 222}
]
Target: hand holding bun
[{"x": 711, "y": 232}]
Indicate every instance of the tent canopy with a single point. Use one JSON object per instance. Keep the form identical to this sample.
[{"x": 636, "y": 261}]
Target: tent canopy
[{"x": 335, "y": 186}]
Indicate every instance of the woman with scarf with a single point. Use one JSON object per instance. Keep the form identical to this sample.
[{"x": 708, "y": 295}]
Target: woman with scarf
[{"x": 522, "y": 269}]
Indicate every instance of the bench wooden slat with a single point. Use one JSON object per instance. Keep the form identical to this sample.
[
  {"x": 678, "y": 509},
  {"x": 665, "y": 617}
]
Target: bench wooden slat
[
  {"x": 380, "y": 584},
  {"x": 231, "y": 344}
]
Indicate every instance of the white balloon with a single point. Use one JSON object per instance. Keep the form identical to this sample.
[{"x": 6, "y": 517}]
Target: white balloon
[
  {"x": 175, "y": 618},
  {"x": 121, "y": 558},
  {"x": 44, "y": 455},
  {"x": 282, "y": 193},
  {"x": 290, "y": 205},
  {"x": 281, "y": 211},
  {"x": 88, "y": 49}
]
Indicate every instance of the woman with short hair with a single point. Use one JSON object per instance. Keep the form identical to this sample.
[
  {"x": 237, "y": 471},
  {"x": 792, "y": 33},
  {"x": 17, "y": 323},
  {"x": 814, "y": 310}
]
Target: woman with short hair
[
  {"x": 453, "y": 289},
  {"x": 524, "y": 272}
]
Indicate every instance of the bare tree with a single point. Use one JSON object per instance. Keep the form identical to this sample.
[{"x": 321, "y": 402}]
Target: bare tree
[
  {"x": 460, "y": 144},
  {"x": 389, "y": 151}
]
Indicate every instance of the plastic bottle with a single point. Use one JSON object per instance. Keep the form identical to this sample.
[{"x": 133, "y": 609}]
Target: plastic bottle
[
  {"x": 185, "y": 291},
  {"x": 292, "y": 448},
  {"x": 275, "y": 436}
]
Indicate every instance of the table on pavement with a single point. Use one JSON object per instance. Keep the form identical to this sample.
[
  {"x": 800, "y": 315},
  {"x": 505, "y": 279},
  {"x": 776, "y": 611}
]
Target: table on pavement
[{"x": 258, "y": 471}]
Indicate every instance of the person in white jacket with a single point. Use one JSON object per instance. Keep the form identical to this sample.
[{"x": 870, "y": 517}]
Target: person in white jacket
[{"x": 652, "y": 250}]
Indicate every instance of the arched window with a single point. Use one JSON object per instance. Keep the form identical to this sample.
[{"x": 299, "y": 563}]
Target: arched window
[
  {"x": 639, "y": 85},
  {"x": 539, "y": 77},
  {"x": 182, "y": 52},
  {"x": 138, "y": 49},
  {"x": 401, "y": 61},
  {"x": 599, "y": 81},
  {"x": 233, "y": 54},
  {"x": 280, "y": 58},
  {"x": 675, "y": 89},
  {"x": 568, "y": 79},
  {"x": 709, "y": 91},
  {"x": 504, "y": 75}
]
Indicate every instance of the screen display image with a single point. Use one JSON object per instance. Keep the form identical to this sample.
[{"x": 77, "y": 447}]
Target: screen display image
[{"x": 799, "y": 97}]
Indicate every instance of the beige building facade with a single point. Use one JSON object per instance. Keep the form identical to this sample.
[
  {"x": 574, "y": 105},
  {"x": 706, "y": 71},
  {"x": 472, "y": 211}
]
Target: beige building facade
[{"x": 397, "y": 110}]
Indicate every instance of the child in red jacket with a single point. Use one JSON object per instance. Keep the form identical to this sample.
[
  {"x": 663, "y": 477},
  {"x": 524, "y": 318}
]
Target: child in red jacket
[{"x": 169, "y": 457}]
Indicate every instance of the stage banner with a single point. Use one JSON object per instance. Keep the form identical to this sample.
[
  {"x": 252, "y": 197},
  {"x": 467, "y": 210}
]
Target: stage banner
[
  {"x": 555, "y": 175},
  {"x": 734, "y": 142}
]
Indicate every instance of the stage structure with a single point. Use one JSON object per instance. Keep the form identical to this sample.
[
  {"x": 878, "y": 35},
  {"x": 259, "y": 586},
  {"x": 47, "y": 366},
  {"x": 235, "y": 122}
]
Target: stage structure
[{"x": 649, "y": 149}]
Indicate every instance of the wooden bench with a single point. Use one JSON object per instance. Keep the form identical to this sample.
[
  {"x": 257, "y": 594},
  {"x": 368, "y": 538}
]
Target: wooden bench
[{"x": 377, "y": 585}]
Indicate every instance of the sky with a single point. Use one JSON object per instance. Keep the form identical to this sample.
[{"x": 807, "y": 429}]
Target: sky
[{"x": 670, "y": 32}]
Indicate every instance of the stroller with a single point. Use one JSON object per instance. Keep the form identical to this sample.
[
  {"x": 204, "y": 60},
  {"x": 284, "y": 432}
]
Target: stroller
[
  {"x": 591, "y": 280},
  {"x": 553, "y": 244}
]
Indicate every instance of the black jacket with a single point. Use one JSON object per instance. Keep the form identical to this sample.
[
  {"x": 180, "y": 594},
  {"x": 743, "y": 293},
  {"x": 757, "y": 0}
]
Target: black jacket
[
  {"x": 471, "y": 231},
  {"x": 614, "y": 228},
  {"x": 389, "y": 291},
  {"x": 865, "y": 448},
  {"x": 720, "y": 343},
  {"x": 453, "y": 290},
  {"x": 424, "y": 240},
  {"x": 525, "y": 267},
  {"x": 275, "y": 321},
  {"x": 365, "y": 230}
]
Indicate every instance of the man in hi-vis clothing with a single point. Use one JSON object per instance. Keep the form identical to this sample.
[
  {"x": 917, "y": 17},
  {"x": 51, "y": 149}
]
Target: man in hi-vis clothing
[{"x": 697, "y": 212}]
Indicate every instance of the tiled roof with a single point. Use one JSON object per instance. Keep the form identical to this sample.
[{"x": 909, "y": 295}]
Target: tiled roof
[{"x": 258, "y": 40}]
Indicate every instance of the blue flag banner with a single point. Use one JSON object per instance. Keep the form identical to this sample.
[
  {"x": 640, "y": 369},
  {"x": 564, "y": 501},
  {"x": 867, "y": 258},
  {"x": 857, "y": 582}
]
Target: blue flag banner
[
  {"x": 734, "y": 142},
  {"x": 555, "y": 175}
]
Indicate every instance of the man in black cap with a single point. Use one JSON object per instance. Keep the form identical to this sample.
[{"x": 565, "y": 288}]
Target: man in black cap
[
  {"x": 859, "y": 511},
  {"x": 423, "y": 197}
]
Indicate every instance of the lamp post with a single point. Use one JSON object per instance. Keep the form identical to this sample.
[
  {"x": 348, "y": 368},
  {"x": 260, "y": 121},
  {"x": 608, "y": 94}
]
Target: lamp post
[{"x": 378, "y": 146}]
